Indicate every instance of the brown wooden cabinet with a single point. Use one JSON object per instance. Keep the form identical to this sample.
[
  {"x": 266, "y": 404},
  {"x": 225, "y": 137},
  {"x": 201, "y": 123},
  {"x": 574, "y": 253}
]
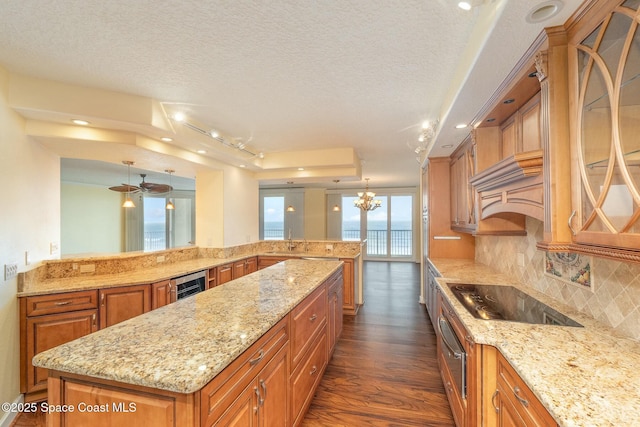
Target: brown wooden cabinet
[
  {"x": 244, "y": 267},
  {"x": 224, "y": 274},
  {"x": 462, "y": 168},
  {"x": 349, "y": 291},
  {"x": 212, "y": 278},
  {"x": 521, "y": 132},
  {"x": 254, "y": 388},
  {"x": 123, "y": 303},
  {"x": 265, "y": 261},
  {"x": 509, "y": 401},
  {"x": 309, "y": 353},
  {"x": 46, "y": 322},
  {"x": 334, "y": 316},
  {"x": 162, "y": 293}
]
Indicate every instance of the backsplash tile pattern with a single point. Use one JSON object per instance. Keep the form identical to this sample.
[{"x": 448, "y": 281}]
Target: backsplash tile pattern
[{"x": 614, "y": 300}]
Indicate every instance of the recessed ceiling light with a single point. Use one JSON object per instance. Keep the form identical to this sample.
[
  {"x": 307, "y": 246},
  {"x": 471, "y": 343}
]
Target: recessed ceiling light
[
  {"x": 166, "y": 139},
  {"x": 447, "y": 146},
  {"x": 543, "y": 11},
  {"x": 214, "y": 133},
  {"x": 508, "y": 101},
  {"x": 179, "y": 117},
  {"x": 201, "y": 151},
  {"x": 425, "y": 125},
  {"x": 80, "y": 122},
  {"x": 464, "y": 5},
  {"x": 300, "y": 169},
  {"x": 461, "y": 126},
  {"x": 243, "y": 166}
]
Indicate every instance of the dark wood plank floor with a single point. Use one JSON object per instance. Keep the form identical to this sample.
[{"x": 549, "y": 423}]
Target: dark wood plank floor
[{"x": 384, "y": 371}]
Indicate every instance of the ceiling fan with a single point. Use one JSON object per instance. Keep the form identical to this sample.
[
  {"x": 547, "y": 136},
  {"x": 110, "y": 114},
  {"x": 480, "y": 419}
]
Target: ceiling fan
[{"x": 145, "y": 187}]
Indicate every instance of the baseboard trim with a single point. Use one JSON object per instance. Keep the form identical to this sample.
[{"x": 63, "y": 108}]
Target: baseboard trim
[{"x": 8, "y": 417}]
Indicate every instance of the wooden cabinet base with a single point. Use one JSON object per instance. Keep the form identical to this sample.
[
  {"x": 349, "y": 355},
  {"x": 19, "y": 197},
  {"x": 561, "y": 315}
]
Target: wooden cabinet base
[{"x": 79, "y": 401}]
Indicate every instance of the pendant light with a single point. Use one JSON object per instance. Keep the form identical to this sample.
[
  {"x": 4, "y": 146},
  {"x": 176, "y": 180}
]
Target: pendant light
[
  {"x": 128, "y": 203},
  {"x": 336, "y": 207},
  {"x": 290, "y": 208},
  {"x": 170, "y": 206}
]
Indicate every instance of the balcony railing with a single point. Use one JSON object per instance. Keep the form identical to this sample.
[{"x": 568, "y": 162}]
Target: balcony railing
[
  {"x": 401, "y": 241},
  {"x": 154, "y": 240}
]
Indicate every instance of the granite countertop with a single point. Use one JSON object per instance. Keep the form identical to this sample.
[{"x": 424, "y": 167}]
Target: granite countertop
[
  {"x": 150, "y": 275},
  {"x": 216, "y": 326},
  {"x": 583, "y": 376}
]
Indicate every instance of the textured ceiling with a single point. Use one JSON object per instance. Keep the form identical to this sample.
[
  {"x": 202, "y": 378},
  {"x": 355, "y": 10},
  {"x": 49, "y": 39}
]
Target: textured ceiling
[{"x": 284, "y": 75}]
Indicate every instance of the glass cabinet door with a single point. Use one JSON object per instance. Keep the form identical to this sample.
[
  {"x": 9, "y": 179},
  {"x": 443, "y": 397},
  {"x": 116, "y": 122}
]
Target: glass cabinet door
[{"x": 608, "y": 132}]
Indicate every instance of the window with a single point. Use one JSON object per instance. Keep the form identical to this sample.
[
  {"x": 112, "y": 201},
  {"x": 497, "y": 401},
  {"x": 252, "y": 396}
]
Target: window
[
  {"x": 390, "y": 228},
  {"x": 162, "y": 228},
  {"x": 273, "y": 214},
  {"x": 350, "y": 219}
]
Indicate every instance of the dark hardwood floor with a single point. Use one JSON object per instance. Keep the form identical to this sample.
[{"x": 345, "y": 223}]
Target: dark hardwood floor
[{"x": 384, "y": 370}]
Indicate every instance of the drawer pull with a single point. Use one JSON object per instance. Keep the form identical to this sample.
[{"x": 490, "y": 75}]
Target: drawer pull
[
  {"x": 524, "y": 402},
  {"x": 59, "y": 303},
  {"x": 493, "y": 400},
  {"x": 313, "y": 370},
  {"x": 102, "y": 299},
  {"x": 313, "y": 318},
  {"x": 257, "y": 360}
]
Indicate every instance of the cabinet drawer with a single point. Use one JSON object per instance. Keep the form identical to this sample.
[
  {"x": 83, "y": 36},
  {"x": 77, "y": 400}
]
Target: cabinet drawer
[
  {"x": 61, "y": 303},
  {"x": 525, "y": 402},
  {"x": 307, "y": 376},
  {"x": 225, "y": 388},
  {"x": 306, "y": 319}
]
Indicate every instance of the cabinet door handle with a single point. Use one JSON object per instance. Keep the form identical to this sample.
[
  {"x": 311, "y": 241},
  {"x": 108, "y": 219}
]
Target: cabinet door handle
[
  {"x": 569, "y": 222},
  {"x": 93, "y": 319},
  {"x": 493, "y": 400},
  {"x": 59, "y": 303},
  {"x": 263, "y": 385},
  {"x": 313, "y": 370},
  {"x": 257, "y": 360},
  {"x": 255, "y": 408},
  {"x": 102, "y": 300},
  {"x": 524, "y": 402},
  {"x": 313, "y": 318}
]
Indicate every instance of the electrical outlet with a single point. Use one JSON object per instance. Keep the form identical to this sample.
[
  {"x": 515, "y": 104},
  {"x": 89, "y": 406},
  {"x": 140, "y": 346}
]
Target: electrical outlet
[
  {"x": 10, "y": 271},
  {"x": 54, "y": 248},
  {"x": 520, "y": 259},
  {"x": 27, "y": 258},
  {"x": 329, "y": 248},
  {"x": 160, "y": 258},
  {"x": 87, "y": 268}
]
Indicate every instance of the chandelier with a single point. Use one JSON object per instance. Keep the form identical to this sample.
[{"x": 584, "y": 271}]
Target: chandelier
[{"x": 365, "y": 199}]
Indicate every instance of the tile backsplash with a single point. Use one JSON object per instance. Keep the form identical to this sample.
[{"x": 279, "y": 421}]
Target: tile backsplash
[{"x": 613, "y": 297}]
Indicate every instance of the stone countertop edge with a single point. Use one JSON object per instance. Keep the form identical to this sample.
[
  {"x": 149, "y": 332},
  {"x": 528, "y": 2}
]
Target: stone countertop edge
[
  {"x": 151, "y": 275},
  {"x": 583, "y": 376},
  {"x": 215, "y": 327}
]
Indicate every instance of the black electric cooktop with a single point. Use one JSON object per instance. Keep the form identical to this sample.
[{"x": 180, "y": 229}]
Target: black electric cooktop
[{"x": 492, "y": 302}]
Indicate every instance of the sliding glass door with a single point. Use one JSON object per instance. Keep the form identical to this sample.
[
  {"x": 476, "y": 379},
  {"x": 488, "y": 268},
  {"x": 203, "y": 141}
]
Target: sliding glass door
[{"x": 390, "y": 228}]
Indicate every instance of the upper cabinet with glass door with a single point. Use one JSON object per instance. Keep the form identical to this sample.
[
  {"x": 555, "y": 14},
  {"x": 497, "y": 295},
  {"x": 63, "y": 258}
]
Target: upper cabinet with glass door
[{"x": 605, "y": 89}]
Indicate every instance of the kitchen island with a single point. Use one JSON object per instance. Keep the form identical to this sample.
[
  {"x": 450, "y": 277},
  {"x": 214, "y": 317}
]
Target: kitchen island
[
  {"x": 176, "y": 365},
  {"x": 583, "y": 376}
]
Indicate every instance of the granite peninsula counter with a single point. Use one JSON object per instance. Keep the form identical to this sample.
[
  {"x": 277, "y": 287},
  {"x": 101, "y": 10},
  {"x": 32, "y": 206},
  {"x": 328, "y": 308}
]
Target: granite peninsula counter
[
  {"x": 583, "y": 376},
  {"x": 182, "y": 346}
]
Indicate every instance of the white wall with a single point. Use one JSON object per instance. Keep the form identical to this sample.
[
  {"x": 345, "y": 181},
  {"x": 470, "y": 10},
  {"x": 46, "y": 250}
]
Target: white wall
[
  {"x": 227, "y": 208},
  {"x": 91, "y": 220},
  {"x": 241, "y": 207},
  {"x": 30, "y": 177}
]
